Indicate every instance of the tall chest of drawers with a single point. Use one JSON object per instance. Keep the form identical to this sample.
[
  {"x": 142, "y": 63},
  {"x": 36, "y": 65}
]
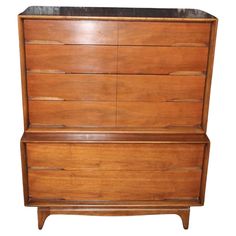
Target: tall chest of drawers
[{"x": 115, "y": 105}]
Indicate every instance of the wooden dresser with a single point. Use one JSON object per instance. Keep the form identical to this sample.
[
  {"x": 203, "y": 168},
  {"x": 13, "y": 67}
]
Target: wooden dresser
[{"x": 115, "y": 105}]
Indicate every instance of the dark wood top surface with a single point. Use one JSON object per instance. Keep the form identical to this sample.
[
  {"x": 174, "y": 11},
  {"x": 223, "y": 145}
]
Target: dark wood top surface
[{"x": 116, "y": 12}]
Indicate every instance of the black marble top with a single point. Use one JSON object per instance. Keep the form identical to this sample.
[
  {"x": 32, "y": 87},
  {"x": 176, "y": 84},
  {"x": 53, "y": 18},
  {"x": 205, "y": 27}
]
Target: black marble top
[{"x": 116, "y": 12}]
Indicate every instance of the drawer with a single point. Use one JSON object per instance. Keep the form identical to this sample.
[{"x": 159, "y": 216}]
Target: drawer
[
  {"x": 161, "y": 60},
  {"x": 114, "y": 171},
  {"x": 72, "y": 113},
  {"x": 158, "y": 157},
  {"x": 86, "y": 87},
  {"x": 164, "y": 33},
  {"x": 114, "y": 185},
  {"x": 160, "y": 88},
  {"x": 70, "y": 32},
  {"x": 159, "y": 114},
  {"x": 71, "y": 58}
]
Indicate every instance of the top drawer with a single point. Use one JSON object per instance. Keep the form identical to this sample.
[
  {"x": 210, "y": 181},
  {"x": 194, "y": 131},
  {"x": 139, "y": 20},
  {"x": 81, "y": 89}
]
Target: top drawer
[
  {"x": 116, "y": 32},
  {"x": 164, "y": 33},
  {"x": 70, "y": 32}
]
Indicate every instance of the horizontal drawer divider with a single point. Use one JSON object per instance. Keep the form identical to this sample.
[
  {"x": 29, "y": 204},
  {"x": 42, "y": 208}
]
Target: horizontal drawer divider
[
  {"x": 42, "y": 42},
  {"x": 125, "y": 127},
  {"x": 179, "y": 169},
  {"x": 176, "y": 73},
  {"x": 51, "y": 99}
]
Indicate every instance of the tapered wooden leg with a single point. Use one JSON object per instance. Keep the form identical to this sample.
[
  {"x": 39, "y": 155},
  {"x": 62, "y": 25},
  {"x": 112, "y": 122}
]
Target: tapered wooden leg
[
  {"x": 43, "y": 213},
  {"x": 184, "y": 215}
]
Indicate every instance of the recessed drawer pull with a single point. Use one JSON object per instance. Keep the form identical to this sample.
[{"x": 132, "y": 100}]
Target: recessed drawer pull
[
  {"x": 46, "y": 71},
  {"x": 46, "y": 99},
  {"x": 43, "y": 42},
  {"x": 183, "y": 100},
  {"x": 189, "y": 45},
  {"x": 45, "y": 168},
  {"x": 200, "y": 73}
]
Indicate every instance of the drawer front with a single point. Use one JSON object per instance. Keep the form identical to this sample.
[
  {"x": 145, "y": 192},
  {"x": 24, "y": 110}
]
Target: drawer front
[
  {"x": 70, "y": 32},
  {"x": 71, "y": 58},
  {"x": 164, "y": 33},
  {"x": 72, "y": 113},
  {"x": 86, "y": 87},
  {"x": 114, "y": 185},
  {"x": 158, "y": 157},
  {"x": 106, "y": 32},
  {"x": 159, "y": 114},
  {"x": 162, "y": 88},
  {"x": 161, "y": 60},
  {"x": 115, "y": 171}
]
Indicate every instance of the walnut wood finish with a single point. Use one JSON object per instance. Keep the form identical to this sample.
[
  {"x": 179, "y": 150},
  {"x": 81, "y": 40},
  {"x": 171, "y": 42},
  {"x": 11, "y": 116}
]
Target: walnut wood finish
[
  {"x": 162, "y": 88},
  {"x": 71, "y": 58},
  {"x": 163, "y": 33},
  {"x": 85, "y": 87},
  {"x": 156, "y": 157},
  {"x": 159, "y": 114},
  {"x": 161, "y": 60},
  {"x": 115, "y": 110},
  {"x": 72, "y": 113},
  {"x": 70, "y": 32},
  {"x": 117, "y": 185}
]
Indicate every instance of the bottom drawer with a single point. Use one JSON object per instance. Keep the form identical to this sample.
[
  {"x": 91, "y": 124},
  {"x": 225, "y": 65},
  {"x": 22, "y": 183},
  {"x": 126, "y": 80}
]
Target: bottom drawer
[
  {"x": 114, "y": 185},
  {"x": 115, "y": 171}
]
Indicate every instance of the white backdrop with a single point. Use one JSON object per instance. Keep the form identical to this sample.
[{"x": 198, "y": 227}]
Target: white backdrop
[{"x": 217, "y": 216}]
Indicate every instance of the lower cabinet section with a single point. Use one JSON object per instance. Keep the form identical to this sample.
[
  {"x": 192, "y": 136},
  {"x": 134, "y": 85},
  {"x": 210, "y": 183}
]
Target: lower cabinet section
[{"x": 111, "y": 178}]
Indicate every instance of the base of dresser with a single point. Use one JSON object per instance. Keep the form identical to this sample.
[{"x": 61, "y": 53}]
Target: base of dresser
[{"x": 44, "y": 212}]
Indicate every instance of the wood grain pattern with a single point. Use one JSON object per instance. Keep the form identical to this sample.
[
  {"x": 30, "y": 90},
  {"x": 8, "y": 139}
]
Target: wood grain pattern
[
  {"x": 160, "y": 157},
  {"x": 161, "y": 60},
  {"x": 164, "y": 33},
  {"x": 158, "y": 114},
  {"x": 114, "y": 185},
  {"x": 160, "y": 88},
  {"x": 71, "y": 58},
  {"x": 71, "y": 87},
  {"x": 70, "y": 32},
  {"x": 72, "y": 113}
]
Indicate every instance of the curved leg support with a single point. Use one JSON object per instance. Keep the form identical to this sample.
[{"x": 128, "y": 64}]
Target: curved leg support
[
  {"x": 184, "y": 215},
  {"x": 43, "y": 213}
]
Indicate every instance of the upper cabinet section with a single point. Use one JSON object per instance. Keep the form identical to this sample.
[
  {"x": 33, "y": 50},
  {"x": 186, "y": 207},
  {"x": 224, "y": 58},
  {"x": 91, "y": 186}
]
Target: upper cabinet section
[
  {"x": 117, "y": 12},
  {"x": 117, "y": 68}
]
